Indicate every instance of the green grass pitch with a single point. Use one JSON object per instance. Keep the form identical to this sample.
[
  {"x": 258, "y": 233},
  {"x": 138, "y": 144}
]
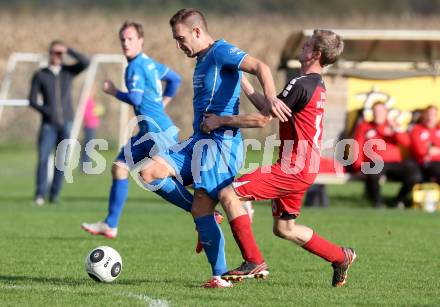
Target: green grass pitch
[{"x": 42, "y": 250}]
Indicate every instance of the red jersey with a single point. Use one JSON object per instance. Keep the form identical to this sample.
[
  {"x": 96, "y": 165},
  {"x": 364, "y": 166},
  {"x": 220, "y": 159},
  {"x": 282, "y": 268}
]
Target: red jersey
[
  {"x": 366, "y": 131},
  {"x": 301, "y": 135},
  {"x": 286, "y": 181},
  {"x": 422, "y": 138}
]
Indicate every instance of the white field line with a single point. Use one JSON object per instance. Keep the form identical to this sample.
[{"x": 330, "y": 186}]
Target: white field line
[{"x": 151, "y": 302}]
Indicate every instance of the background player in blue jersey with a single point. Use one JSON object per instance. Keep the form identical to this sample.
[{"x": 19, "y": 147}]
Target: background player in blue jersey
[
  {"x": 210, "y": 161},
  {"x": 143, "y": 78}
]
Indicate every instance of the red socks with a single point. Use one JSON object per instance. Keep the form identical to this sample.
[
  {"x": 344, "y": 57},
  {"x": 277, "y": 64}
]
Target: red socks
[
  {"x": 242, "y": 231},
  {"x": 324, "y": 249}
]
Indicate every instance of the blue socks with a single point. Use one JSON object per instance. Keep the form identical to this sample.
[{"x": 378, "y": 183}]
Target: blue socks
[
  {"x": 211, "y": 237},
  {"x": 171, "y": 190},
  {"x": 118, "y": 195},
  {"x": 174, "y": 192}
]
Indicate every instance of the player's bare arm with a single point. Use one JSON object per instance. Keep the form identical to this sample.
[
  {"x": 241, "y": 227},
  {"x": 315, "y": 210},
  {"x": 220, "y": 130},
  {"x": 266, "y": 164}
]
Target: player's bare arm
[
  {"x": 255, "y": 97},
  {"x": 262, "y": 71},
  {"x": 250, "y": 120}
]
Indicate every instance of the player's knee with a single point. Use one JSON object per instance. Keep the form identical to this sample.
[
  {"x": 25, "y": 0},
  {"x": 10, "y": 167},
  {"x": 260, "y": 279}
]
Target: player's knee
[
  {"x": 202, "y": 204},
  {"x": 280, "y": 232},
  {"x": 119, "y": 172},
  {"x": 230, "y": 202},
  {"x": 146, "y": 175},
  {"x": 286, "y": 231},
  {"x": 199, "y": 211},
  {"x": 224, "y": 196}
]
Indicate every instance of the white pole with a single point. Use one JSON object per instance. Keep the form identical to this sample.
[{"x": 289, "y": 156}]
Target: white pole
[
  {"x": 88, "y": 83},
  {"x": 123, "y": 114},
  {"x": 10, "y": 68}
]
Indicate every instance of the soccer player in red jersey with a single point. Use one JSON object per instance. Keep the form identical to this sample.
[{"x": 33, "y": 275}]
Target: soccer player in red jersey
[
  {"x": 286, "y": 181},
  {"x": 425, "y": 139}
]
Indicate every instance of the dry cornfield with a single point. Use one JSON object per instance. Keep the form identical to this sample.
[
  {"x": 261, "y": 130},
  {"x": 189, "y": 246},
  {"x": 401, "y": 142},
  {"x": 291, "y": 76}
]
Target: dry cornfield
[{"x": 92, "y": 32}]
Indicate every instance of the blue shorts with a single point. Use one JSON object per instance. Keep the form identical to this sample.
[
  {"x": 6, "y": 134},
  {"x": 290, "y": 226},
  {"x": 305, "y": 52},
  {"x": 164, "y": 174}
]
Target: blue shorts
[
  {"x": 146, "y": 145},
  {"x": 208, "y": 161}
]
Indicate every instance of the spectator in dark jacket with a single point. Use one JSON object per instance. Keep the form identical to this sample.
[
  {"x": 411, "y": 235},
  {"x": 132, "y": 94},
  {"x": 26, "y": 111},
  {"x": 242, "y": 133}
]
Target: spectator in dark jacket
[{"x": 54, "y": 83}]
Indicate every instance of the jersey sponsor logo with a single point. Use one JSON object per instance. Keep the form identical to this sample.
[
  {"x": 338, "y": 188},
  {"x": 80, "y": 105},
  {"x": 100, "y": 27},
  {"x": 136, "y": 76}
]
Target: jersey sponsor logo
[
  {"x": 134, "y": 79},
  {"x": 198, "y": 80},
  {"x": 320, "y": 103},
  {"x": 209, "y": 243},
  {"x": 370, "y": 134},
  {"x": 235, "y": 50},
  {"x": 237, "y": 184},
  {"x": 424, "y": 135},
  {"x": 288, "y": 88}
]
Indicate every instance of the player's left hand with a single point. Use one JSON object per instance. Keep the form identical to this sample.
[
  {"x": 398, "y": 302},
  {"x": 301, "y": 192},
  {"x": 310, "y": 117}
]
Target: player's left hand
[
  {"x": 279, "y": 109},
  {"x": 109, "y": 88},
  {"x": 211, "y": 123}
]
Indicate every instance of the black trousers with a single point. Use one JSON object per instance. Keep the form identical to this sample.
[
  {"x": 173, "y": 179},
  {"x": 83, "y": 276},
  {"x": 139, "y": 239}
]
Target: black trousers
[
  {"x": 431, "y": 171},
  {"x": 408, "y": 172}
]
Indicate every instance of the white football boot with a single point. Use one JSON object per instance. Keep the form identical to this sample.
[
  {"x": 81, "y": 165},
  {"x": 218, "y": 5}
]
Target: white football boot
[{"x": 100, "y": 228}]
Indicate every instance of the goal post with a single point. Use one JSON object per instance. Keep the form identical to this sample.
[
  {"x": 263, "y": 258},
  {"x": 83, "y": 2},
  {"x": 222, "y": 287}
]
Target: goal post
[
  {"x": 90, "y": 77},
  {"x": 89, "y": 80},
  {"x": 13, "y": 60}
]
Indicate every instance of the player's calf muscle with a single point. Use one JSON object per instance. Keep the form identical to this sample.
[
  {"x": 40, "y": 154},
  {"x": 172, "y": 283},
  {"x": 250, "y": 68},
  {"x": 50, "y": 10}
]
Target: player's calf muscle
[
  {"x": 119, "y": 171},
  {"x": 288, "y": 230}
]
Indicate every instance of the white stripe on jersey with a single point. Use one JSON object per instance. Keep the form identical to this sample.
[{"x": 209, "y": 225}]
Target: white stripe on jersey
[
  {"x": 213, "y": 89},
  {"x": 289, "y": 86}
]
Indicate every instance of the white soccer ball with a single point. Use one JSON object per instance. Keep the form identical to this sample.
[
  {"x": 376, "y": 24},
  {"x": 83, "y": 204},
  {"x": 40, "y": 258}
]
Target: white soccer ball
[{"x": 103, "y": 264}]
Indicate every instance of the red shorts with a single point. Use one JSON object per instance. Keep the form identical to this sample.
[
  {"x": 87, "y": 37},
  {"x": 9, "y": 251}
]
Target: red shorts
[{"x": 285, "y": 190}]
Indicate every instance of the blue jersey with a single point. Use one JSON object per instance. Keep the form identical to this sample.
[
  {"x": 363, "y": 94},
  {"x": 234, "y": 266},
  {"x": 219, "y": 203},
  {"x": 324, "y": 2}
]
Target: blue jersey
[
  {"x": 216, "y": 82},
  {"x": 211, "y": 161},
  {"x": 144, "y": 75}
]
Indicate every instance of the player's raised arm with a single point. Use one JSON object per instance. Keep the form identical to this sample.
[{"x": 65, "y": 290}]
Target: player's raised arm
[
  {"x": 82, "y": 61},
  {"x": 262, "y": 71}
]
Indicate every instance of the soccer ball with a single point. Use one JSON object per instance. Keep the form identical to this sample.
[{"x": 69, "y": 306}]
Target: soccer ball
[{"x": 103, "y": 264}]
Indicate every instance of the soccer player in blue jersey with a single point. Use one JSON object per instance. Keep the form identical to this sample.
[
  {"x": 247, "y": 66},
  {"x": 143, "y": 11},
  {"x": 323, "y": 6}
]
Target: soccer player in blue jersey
[
  {"x": 143, "y": 78},
  {"x": 210, "y": 161}
]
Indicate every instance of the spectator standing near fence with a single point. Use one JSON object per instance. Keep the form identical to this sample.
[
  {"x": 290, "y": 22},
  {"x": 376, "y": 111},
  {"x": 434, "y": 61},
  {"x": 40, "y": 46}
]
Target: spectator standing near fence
[
  {"x": 54, "y": 83},
  {"x": 425, "y": 144}
]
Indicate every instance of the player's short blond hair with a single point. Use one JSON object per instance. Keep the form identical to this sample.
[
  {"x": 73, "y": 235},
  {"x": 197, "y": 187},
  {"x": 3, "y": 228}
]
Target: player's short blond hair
[
  {"x": 329, "y": 44},
  {"x": 137, "y": 26}
]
